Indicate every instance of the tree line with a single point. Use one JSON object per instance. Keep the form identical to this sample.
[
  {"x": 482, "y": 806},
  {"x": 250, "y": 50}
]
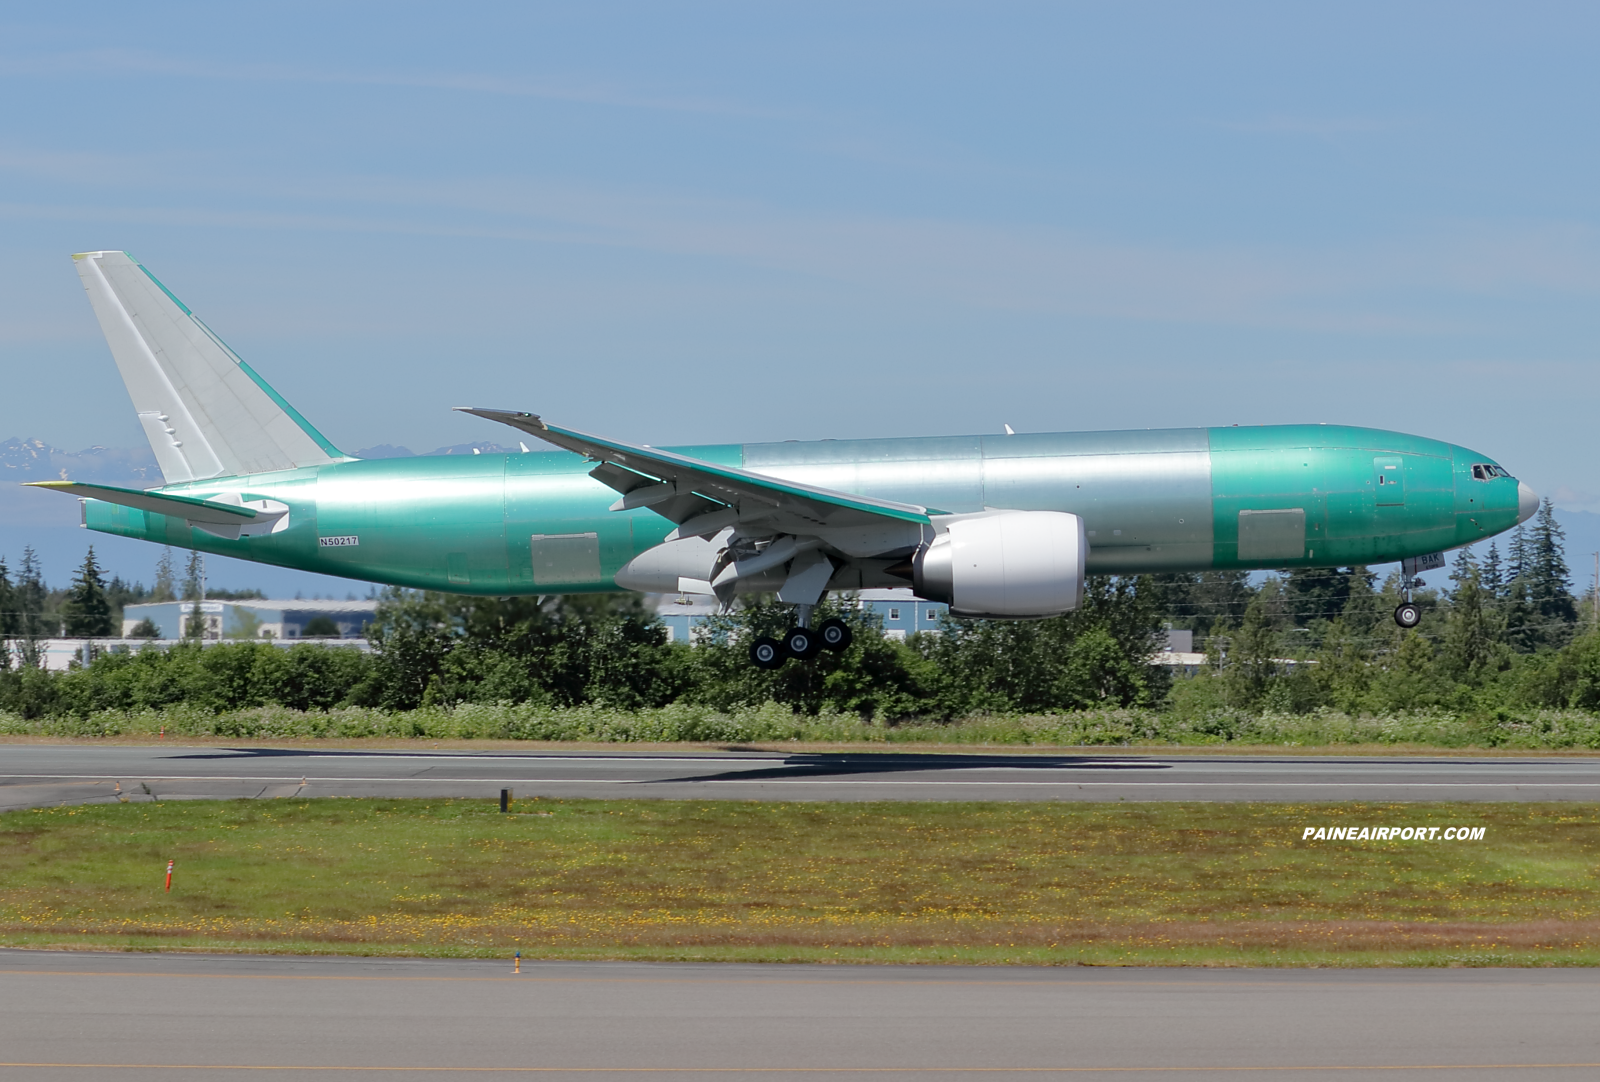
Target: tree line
[
  {"x": 90, "y": 607},
  {"x": 431, "y": 649},
  {"x": 1508, "y": 633}
]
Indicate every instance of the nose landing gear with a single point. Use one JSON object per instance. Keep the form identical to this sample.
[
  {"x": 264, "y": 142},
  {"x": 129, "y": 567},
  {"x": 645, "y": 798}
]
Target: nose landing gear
[{"x": 1408, "y": 614}]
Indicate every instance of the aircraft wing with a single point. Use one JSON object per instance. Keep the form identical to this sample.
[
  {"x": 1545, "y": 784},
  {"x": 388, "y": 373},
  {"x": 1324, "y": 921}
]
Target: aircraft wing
[{"x": 703, "y": 497}]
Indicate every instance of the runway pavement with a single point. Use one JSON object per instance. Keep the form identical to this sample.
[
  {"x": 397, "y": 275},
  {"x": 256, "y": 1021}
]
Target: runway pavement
[
  {"x": 131, "y": 1018},
  {"x": 33, "y": 775}
]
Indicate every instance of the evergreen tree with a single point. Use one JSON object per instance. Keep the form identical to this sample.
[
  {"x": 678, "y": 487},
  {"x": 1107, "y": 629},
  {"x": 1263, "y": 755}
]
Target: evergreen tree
[
  {"x": 1469, "y": 645},
  {"x": 87, "y": 609},
  {"x": 194, "y": 573},
  {"x": 1516, "y": 557},
  {"x": 1344, "y": 668},
  {"x": 194, "y": 589},
  {"x": 1318, "y": 593},
  {"x": 1516, "y": 605},
  {"x": 1490, "y": 573},
  {"x": 166, "y": 578},
  {"x": 9, "y": 622},
  {"x": 1589, "y": 608},
  {"x": 1549, "y": 581},
  {"x": 1365, "y": 608},
  {"x": 30, "y": 593},
  {"x": 1201, "y": 601},
  {"x": 1251, "y": 662}
]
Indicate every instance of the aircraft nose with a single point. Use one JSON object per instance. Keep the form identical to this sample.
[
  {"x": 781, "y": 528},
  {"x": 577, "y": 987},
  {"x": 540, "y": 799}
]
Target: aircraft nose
[{"x": 1527, "y": 502}]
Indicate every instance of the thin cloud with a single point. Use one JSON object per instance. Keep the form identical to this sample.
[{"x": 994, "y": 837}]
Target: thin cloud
[
  {"x": 128, "y": 62},
  {"x": 1356, "y": 287},
  {"x": 1348, "y": 290},
  {"x": 1318, "y": 127}
]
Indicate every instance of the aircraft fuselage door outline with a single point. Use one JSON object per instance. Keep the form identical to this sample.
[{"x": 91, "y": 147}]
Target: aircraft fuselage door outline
[{"x": 1389, "y": 480}]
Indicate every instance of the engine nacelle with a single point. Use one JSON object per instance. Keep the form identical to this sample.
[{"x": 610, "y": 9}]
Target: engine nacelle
[{"x": 1005, "y": 563}]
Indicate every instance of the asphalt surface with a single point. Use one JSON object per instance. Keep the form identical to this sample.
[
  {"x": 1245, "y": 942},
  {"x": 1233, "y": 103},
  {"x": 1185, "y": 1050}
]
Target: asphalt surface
[
  {"x": 33, "y": 775},
  {"x": 131, "y": 1018}
]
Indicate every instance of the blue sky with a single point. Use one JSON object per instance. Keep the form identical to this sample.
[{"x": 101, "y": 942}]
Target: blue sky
[{"x": 706, "y": 222}]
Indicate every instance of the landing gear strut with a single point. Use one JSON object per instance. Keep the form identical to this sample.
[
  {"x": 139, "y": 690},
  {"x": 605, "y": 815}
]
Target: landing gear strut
[
  {"x": 1408, "y": 614},
  {"x": 800, "y": 641},
  {"x": 806, "y": 584}
]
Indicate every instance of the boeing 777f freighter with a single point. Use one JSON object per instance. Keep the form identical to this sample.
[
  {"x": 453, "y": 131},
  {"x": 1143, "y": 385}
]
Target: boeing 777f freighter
[{"x": 1002, "y": 526}]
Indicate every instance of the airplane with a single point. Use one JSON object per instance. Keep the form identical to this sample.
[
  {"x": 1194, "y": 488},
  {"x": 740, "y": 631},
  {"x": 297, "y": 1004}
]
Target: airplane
[{"x": 993, "y": 526}]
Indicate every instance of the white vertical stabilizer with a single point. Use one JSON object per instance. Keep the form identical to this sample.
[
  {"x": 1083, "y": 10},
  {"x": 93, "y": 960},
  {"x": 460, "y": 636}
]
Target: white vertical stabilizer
[{"x": 206, "y": 413}]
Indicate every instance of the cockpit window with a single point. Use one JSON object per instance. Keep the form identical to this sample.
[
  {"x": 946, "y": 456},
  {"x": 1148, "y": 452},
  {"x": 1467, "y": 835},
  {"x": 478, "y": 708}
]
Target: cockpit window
[
  {"x": 1480, "y": 472},
  {"x": 1484, "y": 471}
]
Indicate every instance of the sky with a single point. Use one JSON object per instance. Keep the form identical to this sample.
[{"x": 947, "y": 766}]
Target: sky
[{"x": 695, "y": 223}]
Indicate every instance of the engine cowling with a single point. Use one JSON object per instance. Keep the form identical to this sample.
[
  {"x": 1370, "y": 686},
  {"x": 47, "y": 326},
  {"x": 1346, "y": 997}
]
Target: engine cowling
[{"x": 1005, "y": 563}]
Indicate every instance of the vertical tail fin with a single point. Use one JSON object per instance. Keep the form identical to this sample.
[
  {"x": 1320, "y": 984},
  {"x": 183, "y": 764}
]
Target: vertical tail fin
[{"x": 205, "y": 412}]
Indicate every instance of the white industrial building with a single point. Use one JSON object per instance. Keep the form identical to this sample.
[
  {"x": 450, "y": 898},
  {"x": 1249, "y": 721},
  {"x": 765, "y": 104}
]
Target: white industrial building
[{"x": 254, "y": 618}]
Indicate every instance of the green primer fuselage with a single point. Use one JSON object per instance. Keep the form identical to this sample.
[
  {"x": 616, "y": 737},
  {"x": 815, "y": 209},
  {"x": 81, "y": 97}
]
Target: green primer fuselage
[{"x": 1156, "y": 500}]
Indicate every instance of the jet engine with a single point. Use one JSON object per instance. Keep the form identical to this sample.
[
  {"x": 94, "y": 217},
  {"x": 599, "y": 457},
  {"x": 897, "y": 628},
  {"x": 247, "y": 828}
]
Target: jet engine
[{"x": 1004, "y": 563}]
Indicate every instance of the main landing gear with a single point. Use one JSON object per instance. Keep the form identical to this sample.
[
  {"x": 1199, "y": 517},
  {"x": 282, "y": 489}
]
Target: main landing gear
[{"x": 801, "y": 642}]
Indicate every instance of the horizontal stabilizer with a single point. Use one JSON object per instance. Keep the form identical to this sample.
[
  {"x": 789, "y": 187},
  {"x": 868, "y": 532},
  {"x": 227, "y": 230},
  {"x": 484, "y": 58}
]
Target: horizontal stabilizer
[
  {"x": 205, "y": 412},
  {"x": 191, "y": 508}
]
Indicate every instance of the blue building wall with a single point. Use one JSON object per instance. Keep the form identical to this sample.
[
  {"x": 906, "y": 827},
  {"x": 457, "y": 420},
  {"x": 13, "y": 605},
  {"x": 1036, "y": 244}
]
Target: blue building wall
[{"x": 902, "y": 613}]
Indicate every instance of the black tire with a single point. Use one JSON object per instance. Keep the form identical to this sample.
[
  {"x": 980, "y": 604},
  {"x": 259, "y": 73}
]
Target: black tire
[
  {"x": 802, "y": 642},
  {"x": 1407, "y": 615},
  {"x": 835, "y": 635},
  {"x": 767, "y": 653}
]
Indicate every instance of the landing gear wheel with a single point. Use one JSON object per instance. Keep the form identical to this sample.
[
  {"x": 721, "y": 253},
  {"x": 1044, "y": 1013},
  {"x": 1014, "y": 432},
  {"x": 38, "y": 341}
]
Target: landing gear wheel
[
  {"x": 1407, "y": 614},
  {"x": 835, "y": 635},
  {"x": 802, "y": 642},
  {"x": 767, "y": 653}
]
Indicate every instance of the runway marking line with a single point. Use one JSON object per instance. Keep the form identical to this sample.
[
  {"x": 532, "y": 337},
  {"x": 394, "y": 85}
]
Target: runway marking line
[
  {"x": 217, "y": 778},
  {"x": 811, "y": 1070},
  {"x": 862, "y": 982}
]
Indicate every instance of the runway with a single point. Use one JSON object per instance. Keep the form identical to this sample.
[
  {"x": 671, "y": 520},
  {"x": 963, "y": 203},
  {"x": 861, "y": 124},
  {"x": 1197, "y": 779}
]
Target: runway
[
  {"x": 131, "y": 1018},
  {"x": 33, "y": 775}
]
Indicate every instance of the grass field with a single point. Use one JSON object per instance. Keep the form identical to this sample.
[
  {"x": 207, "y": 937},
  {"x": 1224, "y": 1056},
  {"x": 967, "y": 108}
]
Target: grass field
[{"x": 1208, "y": 884}]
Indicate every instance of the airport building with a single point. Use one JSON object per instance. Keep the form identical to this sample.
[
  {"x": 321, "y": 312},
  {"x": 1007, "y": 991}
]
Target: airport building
[
  {"x": 257, "y": 618},
  {"x": 901, "y": 611},
  {"x": 60, "y": 655}
]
